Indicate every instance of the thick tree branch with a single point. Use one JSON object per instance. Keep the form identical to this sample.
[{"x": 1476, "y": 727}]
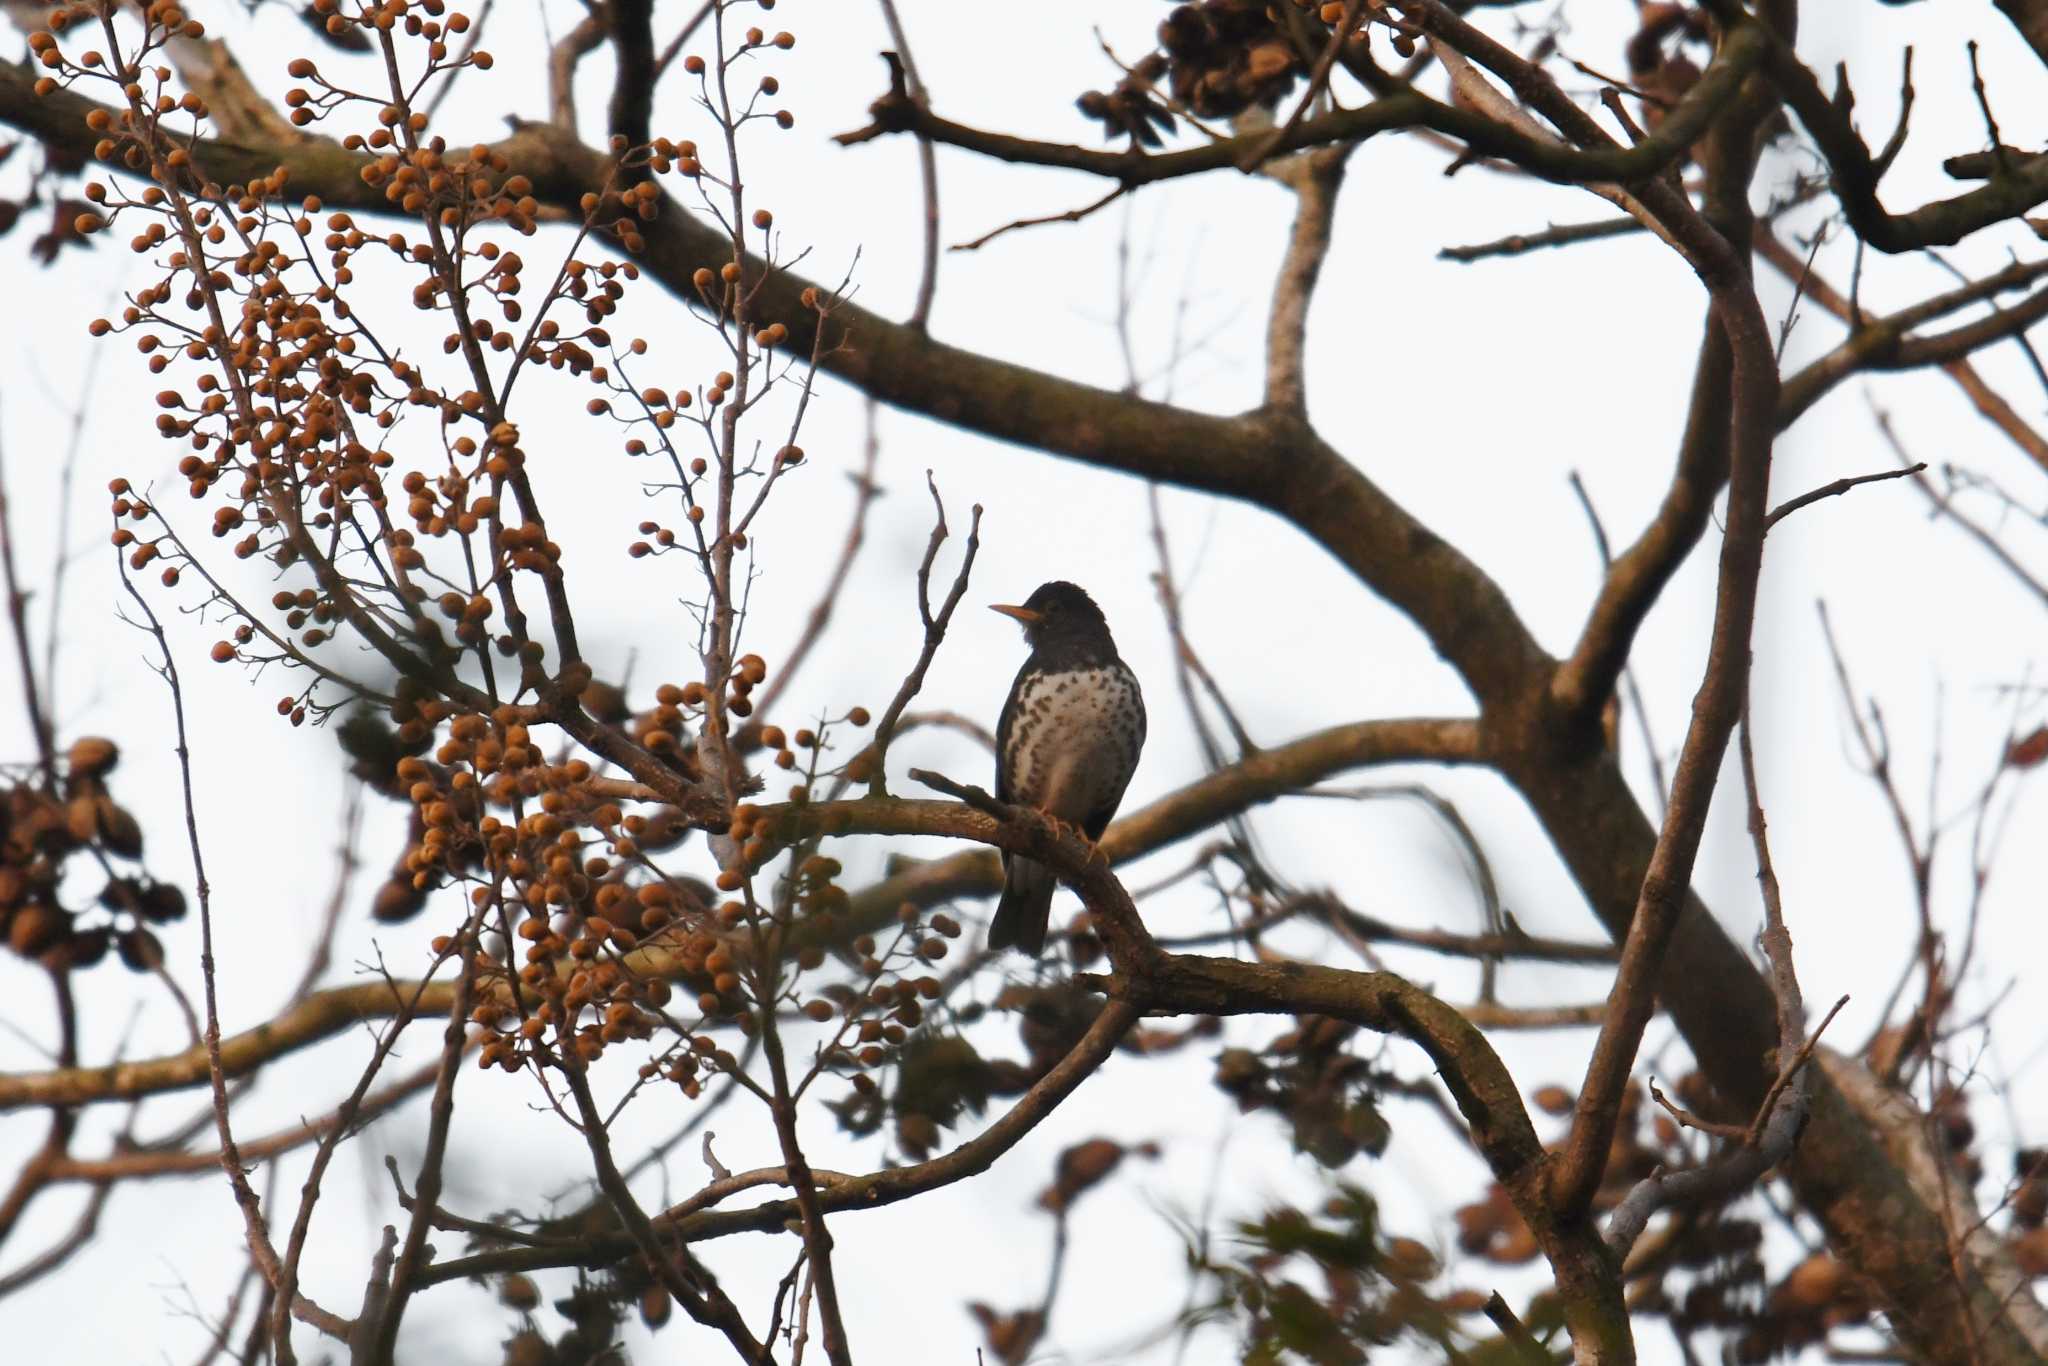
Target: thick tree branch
[
  {"x": 1405, "y": 109},
  {"x": 1150, "y": 980},
  {"x": 693, "y": 1221},
  {"x": 1258, "y": 778},
  {"x": 1713, "y": 994},
  {"x": 1754, "y": 393},
  {"x": 632, "y": 32},
  {"x": 1315, "y": 179},
  {"x": 2030, "y": 17},
  {"x": 1888, "y": 344},
  {"x": 1986, "y": 399},
  {"x": 2022, "y": 185},
  {"x": 1753, "y": 389}
]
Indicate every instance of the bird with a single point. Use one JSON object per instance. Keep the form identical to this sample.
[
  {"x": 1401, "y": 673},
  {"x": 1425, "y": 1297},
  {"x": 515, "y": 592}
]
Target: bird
[{"x": 1067, "y": 743}]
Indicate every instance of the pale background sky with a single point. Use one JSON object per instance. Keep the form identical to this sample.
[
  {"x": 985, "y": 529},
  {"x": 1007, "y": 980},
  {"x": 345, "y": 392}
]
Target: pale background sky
[{"x": 1468, "y": 392}]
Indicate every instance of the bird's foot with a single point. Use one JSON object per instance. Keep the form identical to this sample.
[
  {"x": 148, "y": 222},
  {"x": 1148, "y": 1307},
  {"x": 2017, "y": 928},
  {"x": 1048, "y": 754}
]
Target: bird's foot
[
  {"x": 1064, "y": 828},
  {"x": 1061, "y": 829}
]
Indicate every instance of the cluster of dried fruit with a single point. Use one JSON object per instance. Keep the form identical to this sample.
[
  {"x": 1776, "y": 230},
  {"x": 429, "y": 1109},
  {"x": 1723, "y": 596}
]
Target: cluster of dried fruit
[
  {"x": 1658, "y": 65},
  {"x": 1216, "y": 59},
  {"x": 555, "y": 867},
  {"x": 1361, "y": 1288},
  {"x": 42, "y": 829},
  {"x": 594, "y": 1307},
  {"x": 1310, "y": 1078},
  {"x": 1224, "y": 56}
]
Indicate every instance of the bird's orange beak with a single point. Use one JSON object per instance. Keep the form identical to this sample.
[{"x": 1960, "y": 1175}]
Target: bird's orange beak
[{"x": 1023, "y": 614}]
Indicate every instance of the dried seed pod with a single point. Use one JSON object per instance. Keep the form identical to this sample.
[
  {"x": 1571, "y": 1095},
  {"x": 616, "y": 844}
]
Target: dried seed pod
[
  {"x": 120, "y": 832},
  {"x": 35, "y": 927},
  {"x": 91, "y": 755},
  {"x": 140, "y": 950},
  {"x": 519, "y": 1292}
]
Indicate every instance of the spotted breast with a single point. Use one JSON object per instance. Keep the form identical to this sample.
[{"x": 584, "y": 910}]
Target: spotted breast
[
  {"x": 1067, "y": 744},
  {"x": 1074, "y": 740}
]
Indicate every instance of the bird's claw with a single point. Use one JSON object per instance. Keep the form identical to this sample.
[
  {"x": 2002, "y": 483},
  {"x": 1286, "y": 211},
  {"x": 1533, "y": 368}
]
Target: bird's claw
[{"x": 1061, "y": 829}]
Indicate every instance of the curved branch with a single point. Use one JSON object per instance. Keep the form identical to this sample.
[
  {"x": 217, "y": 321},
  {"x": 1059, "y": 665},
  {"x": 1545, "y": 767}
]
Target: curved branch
[
  {"x": 1272, "y": 461},
  {"x": 126, "y": 1164},
  {"x": 319, "y": 1015},
  {"x": 1149, "y": 980},
  {"x": 1315, "y": 180},
  {"x": 1637, "y": 578},
  {"x": 1260, "y": 777},
  {"x": 1404, "y": 109},
  {"x": 1843, "y": 1171},
  {"x": 1885, "y": 343},
  {"x": 2012, "y": 190},
  {"x": 691, "y": 1222}
]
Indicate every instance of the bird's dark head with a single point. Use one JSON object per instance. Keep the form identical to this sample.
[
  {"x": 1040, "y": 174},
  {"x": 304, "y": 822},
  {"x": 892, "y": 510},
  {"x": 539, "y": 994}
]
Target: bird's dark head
[{"x": 1056, "y": 611}]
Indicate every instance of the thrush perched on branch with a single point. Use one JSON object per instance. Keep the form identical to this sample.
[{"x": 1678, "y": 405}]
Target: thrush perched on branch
[{"x": 1067, "y": 743}]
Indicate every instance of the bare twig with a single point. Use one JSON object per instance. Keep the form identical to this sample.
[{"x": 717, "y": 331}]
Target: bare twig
[
  {"x": 817, "y": 1237},
  {"x": 1945, "y": 506},
  {"x": 1070, "y": 216},
  {"x": 1556, "y": 235},
  {"x": 905, "y": 83},
  {"x": 17, "y": 616},
  {"x": 256, "y": 1228},
  {"x": 1835, "y": 489},
  {"x": 865, "y": 491},
  {"x": 934, "y": 631},
  {"x": 1652, "y": 755}
]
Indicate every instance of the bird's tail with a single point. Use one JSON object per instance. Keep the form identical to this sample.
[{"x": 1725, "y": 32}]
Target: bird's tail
[{"x": 1021, "y": 915}]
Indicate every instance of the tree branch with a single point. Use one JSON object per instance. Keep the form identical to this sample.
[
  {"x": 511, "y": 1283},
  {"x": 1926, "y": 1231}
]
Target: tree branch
[
  {"x": 1855, "y": 173},
  {"x": 1315, "y": 180}
]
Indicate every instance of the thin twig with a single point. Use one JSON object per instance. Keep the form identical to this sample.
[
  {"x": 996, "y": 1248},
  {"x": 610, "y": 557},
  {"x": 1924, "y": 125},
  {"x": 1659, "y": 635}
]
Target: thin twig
[
  {"x": 255, "y": 1228},
  {"x": 1513, "y": 1332},
  {"x": 1556, "y": 235},
  {"x": 1835, "y": 489},
  {"x": 1660, "y": 785},
  {"x": 903, "y": 70},
  {"x": 866, "y": 490},
  {"x": 1945, "y": 506},
  {"x": 17, "y": 615},
  {"x": 934, "y": 630},
  {"x": 675, "y": 44},
  {"x": 1070, "y": 216}
]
